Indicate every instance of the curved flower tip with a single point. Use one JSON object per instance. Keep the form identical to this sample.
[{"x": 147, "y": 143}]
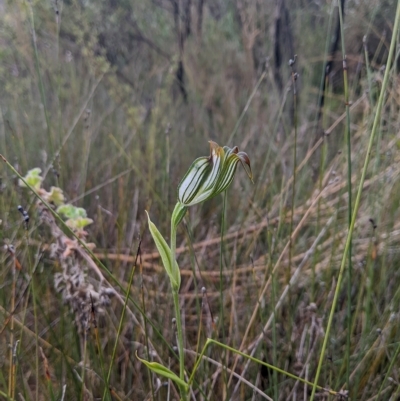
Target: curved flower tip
[
  {"x": 209, "y": 176},
  {"x": 244, "y": 159}
]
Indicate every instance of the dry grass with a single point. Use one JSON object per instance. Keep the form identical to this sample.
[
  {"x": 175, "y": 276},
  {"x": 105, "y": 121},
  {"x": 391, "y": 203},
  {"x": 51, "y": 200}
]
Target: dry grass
[{"x": 118, "y": 137}]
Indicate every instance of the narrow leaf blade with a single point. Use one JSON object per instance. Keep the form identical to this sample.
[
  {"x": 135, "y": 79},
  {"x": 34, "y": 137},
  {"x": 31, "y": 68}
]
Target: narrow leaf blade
[
  {"x": 163, "y": 371},
  {"x": 164, "y": 250}
]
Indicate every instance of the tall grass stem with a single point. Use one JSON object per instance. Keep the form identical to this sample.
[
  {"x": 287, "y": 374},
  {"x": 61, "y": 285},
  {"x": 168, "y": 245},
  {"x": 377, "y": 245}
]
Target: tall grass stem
[
  {"x": 349, "y": 191},
  {"x": 358, "y": 197}
]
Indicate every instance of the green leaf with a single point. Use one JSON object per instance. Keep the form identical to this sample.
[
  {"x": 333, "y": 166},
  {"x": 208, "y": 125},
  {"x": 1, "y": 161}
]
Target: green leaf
[
  {"x": 165, "y": 253},
  {"x": 163, "y": 371}
]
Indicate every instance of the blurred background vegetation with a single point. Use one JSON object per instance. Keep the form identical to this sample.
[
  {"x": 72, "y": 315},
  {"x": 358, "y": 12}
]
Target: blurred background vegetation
[{"x": 115, "y": 99}]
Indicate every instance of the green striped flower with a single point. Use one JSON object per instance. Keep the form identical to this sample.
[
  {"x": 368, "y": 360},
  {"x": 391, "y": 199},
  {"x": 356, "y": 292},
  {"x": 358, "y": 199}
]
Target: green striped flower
[{"x": 209, "y": 176}]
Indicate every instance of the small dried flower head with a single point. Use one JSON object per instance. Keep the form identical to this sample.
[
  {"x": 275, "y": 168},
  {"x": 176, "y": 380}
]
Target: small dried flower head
[{"x": 33, "y": 178}]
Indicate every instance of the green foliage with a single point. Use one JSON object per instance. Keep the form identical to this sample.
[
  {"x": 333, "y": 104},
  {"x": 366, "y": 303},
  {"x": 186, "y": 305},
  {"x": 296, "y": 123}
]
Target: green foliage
[
  {"x": 165, "y": 253},
  {"x": 163, "y": 371}
]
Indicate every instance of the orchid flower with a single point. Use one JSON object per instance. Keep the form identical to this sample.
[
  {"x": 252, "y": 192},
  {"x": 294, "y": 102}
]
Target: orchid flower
[
  {"x": 209, "y": 176},
  {"x": 206, "y": 178}
]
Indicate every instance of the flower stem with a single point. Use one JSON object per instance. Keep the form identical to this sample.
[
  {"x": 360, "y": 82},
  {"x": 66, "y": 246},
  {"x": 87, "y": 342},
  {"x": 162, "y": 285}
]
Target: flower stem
[
  {"x": 180, "y": 342},
  {"x": 175, "y": 295}
]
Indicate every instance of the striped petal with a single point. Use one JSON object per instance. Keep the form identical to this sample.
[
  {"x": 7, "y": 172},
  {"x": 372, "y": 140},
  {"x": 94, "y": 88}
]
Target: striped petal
[
  {"x": 198, "y": 183},
  {"x": 193, "y": 179}
]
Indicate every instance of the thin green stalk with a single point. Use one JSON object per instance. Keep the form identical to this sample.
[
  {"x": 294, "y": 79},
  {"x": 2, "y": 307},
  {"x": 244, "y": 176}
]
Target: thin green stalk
[
  {"x": 58, "y": 11},
  {"x": 41, "y": 85},
  {"x": 397, "y": 352},
  {"x": 397, "y": 393},
  {"x": 167, "y": 166},
  {"x": 146, "y": 337},
  {"x": 367, "y": 61},
  {"x": 73, "y": 125},
  {"x": 87, "y": 141},
  {"x": 139, "y": 171},
  {"x": 194, "y": 265},
  {"x": 274, "y": 339},
  {"x": 369, "y": 75},
  {"x": 358, "y": 198},
  {"x": 369, "y": 268},
  {"x": 291, "y": 239},
  {"x": 6, "y": 396},
  {"x": 221, "y": 289},
  {"x": 322, "y": 166},
  {"x": 393, "y": 115},
  {"x": 178, "y": 317},
  {"x": 120, "y": 326},
  {"x": 175, "y": 296},
  {"x": 11, "y": 377},
  {"x": 83, "y": 395},
  {"x": 32, "y": 270},
  {"x": 267, "y": 157},
  {"x": 263, "y": 75},
  {"x": 221, "y": 268},
  {"x": 349, "y": 192},
  {"x": 321, "y": 94},
  {"x": 251, "y": 358},
  {"x": 27, "y": 295},
  {"x": 101, "y": 356}
]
